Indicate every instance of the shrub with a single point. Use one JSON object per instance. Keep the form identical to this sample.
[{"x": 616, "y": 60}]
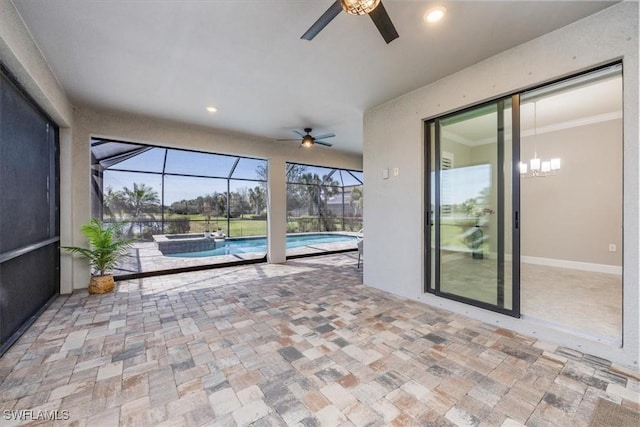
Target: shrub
[
  {"x": 179, "y": 226},
  {"x": 149, "y": 230}
]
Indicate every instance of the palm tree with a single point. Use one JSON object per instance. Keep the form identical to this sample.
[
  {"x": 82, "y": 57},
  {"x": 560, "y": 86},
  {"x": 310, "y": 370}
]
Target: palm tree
[
  {"x": 356, "y": 200},
  {"x": 329, "y": 187},
  {"x": 140, "y": 202},
  {"x": 317, "y": 190},
  {"x": 257, "y": 198},
  {"x": 113, "y": 203},
  {"x": 311, "y": 191}
]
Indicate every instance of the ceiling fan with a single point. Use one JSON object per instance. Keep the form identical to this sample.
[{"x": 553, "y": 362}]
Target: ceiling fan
[
  {"x": 308, "y": 140},
  {"x": 374, "y": 8}
]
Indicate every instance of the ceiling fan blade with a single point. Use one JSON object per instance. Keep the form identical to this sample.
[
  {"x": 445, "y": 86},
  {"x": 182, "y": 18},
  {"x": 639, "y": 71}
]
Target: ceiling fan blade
[
  {"x": 296, "y": 139},
  {"x": 326, "y": 135},
  {"x": 299, "y": 133},
  {"x": 326, "y": 144},
  {"x": 323, "y": 21},
  {"x": 381, "y": 18}
]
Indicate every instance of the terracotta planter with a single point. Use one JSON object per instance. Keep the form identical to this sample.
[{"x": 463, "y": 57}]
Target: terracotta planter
[{"x": 101, "y": 284}]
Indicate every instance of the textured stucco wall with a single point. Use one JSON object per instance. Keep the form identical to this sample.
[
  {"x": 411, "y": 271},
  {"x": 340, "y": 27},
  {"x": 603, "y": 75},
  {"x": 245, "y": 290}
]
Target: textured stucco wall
[{"x": 393, "y": 137}]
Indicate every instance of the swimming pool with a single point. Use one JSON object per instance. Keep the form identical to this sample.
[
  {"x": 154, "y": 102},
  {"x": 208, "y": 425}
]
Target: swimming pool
[{"x": 259, "y": 244}]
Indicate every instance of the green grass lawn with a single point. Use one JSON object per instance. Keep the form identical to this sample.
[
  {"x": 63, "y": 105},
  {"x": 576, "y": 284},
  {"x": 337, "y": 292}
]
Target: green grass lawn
[
  {"x": 452, "y": 231},
  {"x": 238, "y": 227}
]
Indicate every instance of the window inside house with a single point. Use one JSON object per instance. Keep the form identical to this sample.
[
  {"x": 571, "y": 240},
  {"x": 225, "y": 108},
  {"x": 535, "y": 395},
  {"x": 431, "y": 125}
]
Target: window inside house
[{"x": 183, "y": 209}]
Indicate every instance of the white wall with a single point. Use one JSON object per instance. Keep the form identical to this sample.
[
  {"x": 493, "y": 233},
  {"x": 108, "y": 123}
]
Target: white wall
[{"x": 393, "y": 137}]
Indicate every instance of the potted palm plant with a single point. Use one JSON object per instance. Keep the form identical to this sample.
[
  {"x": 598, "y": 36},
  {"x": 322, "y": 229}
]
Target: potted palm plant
[{"x": 106, "y": 249}]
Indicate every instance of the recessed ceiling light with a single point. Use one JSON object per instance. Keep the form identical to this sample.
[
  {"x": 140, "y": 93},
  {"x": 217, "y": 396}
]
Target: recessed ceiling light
[
  {"x": 435, "y": 14},
  {"x": 212, "y": 109}
]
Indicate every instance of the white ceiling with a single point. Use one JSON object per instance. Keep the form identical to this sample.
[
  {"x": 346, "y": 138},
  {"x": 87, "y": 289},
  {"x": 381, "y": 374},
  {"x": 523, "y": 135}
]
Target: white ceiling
[{"x": 173, "y": 58}]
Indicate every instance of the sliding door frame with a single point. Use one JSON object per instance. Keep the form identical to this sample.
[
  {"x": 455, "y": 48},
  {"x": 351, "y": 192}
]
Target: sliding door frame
[{"x": 433, "y": 218}]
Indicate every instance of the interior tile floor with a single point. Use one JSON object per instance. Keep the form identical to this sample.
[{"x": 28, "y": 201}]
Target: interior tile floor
[
  {"x": 298, "y": 344},
  {"x": 582, "y": 302}
]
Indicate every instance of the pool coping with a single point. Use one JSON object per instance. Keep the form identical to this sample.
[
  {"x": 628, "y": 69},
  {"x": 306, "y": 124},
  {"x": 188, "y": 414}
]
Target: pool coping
[{"x": 147, "y": 260}]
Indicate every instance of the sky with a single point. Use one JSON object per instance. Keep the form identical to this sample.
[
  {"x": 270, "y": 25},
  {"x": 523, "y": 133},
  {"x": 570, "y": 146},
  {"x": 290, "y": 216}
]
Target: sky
[
  {"x": 464, "y": 183},
  {"x": 179, "y": 188}
]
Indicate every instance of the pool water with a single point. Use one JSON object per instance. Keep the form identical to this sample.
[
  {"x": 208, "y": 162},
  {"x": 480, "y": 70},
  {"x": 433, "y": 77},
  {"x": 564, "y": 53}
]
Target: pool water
[{"x": 259, "y": 244}]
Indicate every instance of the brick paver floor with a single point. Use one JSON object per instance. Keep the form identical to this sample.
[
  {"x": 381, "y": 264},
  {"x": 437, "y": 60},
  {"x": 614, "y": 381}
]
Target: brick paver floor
[{"x": 298, "y": 344}]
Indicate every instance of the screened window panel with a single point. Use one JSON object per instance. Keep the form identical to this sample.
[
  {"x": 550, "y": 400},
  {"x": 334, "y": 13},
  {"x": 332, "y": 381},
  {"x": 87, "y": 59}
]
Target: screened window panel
[
  {"x": 29, "y": 204},
  {"x": 104, "y": 151},
  {"x": 119, "y": 180},
  {"x": 320, "y": 171},
  {"x": 250, "y": 169},
  {"x": 321, "y": 199},
  {"x": 303, "y": 174},
  {"x": 150, "y": 160},
  {"x": 122, "y": 192},
  {"x": 302, "y": 200},
  {"x": 28, "y": 282},
  {"x": 177, "y": 188},
  {"x": 253, "y": 195},
  {"x": 26, "y": 166},
  {"x": 352, "y": 178},
  {"x": 194, "y": 194},
  {"x": 201, "y": 164}
]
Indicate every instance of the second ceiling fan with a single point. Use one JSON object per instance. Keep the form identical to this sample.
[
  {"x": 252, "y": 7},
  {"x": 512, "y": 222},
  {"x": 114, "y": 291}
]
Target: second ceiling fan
[
  {"x": 374, "y": 8},
  {"x": 308, "y": 140}
]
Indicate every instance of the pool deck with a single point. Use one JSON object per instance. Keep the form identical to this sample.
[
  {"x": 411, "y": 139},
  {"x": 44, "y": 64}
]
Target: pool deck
[
  {"x": 146, "y": 257},
  {"x": 298, "y": 344}
]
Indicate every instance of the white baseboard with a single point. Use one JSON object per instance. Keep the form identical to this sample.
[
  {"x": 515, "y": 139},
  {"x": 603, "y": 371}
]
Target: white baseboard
[{"x": 573, "y": 265}]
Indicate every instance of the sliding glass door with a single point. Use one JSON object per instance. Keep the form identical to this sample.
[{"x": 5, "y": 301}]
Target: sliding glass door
[{"x": 472, "y": 223}]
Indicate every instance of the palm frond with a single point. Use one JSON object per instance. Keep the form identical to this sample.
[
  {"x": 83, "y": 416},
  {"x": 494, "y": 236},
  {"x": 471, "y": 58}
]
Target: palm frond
[{"x": 106, "y": 248}]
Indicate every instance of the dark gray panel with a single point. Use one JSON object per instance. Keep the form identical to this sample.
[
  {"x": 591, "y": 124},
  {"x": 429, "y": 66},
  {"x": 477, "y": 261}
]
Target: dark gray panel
[{"x": 25, "y": 171}]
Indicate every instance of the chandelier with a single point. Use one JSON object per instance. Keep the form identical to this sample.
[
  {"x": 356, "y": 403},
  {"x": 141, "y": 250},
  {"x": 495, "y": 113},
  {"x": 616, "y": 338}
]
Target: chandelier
[
  {"x": 359, "y": 7},
  {"x": 537, "y": 167}
]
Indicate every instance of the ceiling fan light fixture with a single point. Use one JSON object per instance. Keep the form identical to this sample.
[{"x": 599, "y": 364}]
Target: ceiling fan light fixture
[
  {"x": 359, "y": 7},
  {"x": 435, "y": 14},
  {"x": 307, "y": 141}
]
